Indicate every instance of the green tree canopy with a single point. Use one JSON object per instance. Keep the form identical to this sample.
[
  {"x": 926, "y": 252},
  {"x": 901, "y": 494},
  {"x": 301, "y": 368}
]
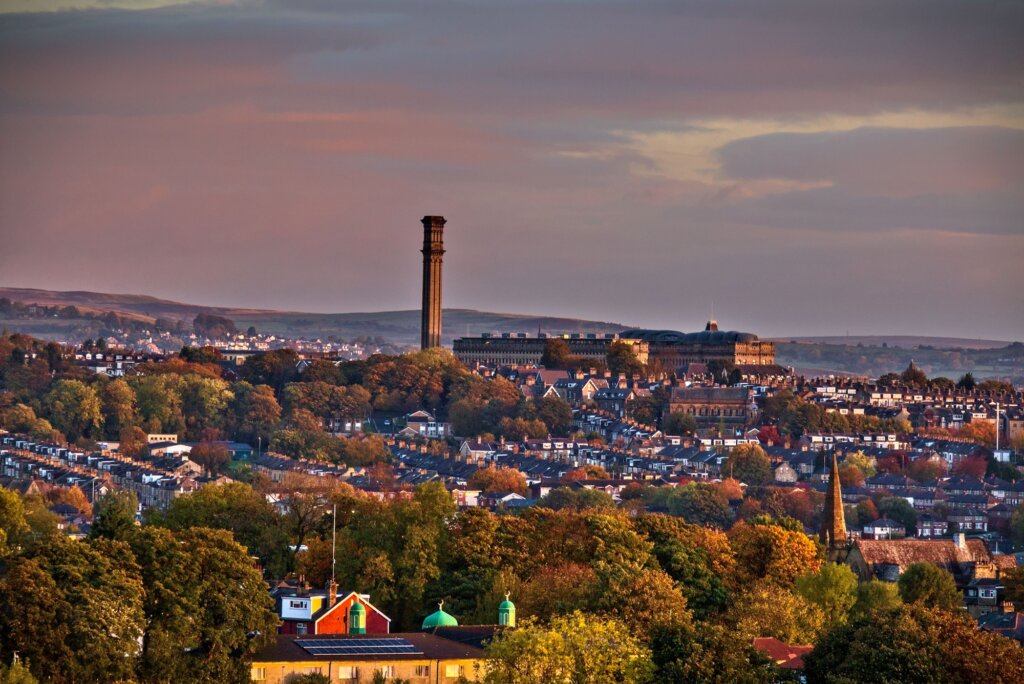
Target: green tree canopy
[{"x": 930, "y": 586}]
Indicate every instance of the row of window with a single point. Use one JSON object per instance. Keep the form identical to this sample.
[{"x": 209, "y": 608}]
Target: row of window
[{"x": 713, "y": 412}]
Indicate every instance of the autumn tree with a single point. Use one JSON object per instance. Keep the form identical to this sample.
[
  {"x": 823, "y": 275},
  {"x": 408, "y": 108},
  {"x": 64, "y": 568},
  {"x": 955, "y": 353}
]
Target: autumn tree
[
  {"x": 772, "y": 553},
  {"x": 982, "y": 432},
  {"x": 573, "y": 648},
  {"x": 763, "y": 609},
  {"x": 212, "y": 457},
  {"x": 586, "y": 472},
  {"x": 493, "y": 479}
]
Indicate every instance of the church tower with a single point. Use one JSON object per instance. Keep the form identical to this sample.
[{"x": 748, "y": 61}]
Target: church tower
[
  {"x": 833, "y": 522},
  {"x": 433, "y": 251}
]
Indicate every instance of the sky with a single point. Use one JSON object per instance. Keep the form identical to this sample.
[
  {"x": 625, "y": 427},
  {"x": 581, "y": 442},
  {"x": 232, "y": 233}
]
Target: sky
[{"x": 801, "y": 168}]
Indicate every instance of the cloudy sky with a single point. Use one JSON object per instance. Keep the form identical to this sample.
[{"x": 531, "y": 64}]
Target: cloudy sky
[{"x": 804, "y": 167}]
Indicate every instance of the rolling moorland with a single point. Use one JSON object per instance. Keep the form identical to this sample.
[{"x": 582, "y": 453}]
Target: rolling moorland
[{"x": 858, "y": 355}]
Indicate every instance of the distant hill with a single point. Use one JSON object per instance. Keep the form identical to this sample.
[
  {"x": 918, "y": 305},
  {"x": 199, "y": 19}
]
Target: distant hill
[
  {"x": 903, "y": 341},
  {"x": 398, "y": 327}
]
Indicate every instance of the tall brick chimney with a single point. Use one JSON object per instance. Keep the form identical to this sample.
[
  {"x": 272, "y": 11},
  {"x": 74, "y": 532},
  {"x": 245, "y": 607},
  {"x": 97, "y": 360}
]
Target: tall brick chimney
[{"x": 433, "y": 252}]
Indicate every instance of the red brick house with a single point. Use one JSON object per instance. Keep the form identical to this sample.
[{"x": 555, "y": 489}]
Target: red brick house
[{"x": 324, "y": 611}]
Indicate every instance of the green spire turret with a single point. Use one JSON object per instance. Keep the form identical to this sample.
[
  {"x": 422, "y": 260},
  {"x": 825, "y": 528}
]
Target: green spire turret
[
  {"x": 507, "y": 612},
  {"x": 357, "y": 618}
]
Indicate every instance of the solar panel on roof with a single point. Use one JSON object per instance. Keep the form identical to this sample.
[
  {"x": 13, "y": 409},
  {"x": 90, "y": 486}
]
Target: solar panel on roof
[{"x": 349, "y": 647}]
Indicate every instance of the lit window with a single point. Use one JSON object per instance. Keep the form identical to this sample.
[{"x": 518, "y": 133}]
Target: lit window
[
  {"x": 348, "y": 672},
  {"x": 259, "y": 674},
  {"x": 454, "y": 670}
]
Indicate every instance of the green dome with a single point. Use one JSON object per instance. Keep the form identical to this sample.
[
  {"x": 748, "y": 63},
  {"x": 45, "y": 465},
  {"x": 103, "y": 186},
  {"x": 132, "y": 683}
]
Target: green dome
[
  {"x": 440, "y": 619},
  {"x": 507, "y": 605}
]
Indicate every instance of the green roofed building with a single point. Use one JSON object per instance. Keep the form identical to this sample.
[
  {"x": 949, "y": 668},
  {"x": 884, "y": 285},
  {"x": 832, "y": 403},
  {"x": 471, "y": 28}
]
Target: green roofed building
[{"x": 440, "y": 619}]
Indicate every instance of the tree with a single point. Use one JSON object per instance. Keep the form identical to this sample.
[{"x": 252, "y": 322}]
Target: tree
[
  {"x": 898, "y": 509},
  {"x": 556, "y": 354},
  {"x": 772, "y": 553},
  {"x": 833, "y": 588},
  {"x": 576, "y": 648},
  {"x": 915, "y": 645},
  {"x": 914, "y": 376},
  {"x": 74, "y": 611},
  {"x": 930, "y": 586},
  {"x": 16, "y": 674},
  {"x": 972, "y": 466},
  {"x": 553, "y": 412},
  {"x": 750, "y": 464},
  {"x": 982, "y": 432},
  {"x": 700, "y": 503},
  {"x": 212, "y": 457},
  {"x": 74, "y": 408},
  {"x": 765, "y": 610},
  {"x": 679, "y": 423},
  {"x": 215, "y": 327},
  {"x": 494, "y": 479},
  {"x": 235, "y": 507},
  {"x": 862, "y": 462},
  {"x": 875, "y": 596},
  {"x": 966, "y": 381},
  {"x": 14, "y": 529},
  {"x": 706, "y": 653},
  {"x": 115, "y": 516},
  {"x": 275, "y": 368},
  {"x": 586, "y": 472},
  {"x": 561, "y": 498},
  {"x": 1017, "y": 526},
  {"x": 621, "y": 359},
  {"x": 118, "y": 408},
  {"x": 205, "y": 605}
]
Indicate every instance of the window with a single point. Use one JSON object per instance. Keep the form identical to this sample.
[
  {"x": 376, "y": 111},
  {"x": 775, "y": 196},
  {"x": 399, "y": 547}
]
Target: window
[
  {"x": 454, "y": 670},
  {"x": 387, "y": 671},
  {"x": 422, "y": 670},
  {"x": 348, "y": 672},
  {"x": 300, "y": 628},
  {"x": 259, "y": 674}
]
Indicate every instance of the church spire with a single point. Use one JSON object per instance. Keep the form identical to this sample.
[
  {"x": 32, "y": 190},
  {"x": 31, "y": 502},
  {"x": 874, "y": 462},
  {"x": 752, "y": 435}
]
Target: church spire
[{"x": 833, "y": 522}]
